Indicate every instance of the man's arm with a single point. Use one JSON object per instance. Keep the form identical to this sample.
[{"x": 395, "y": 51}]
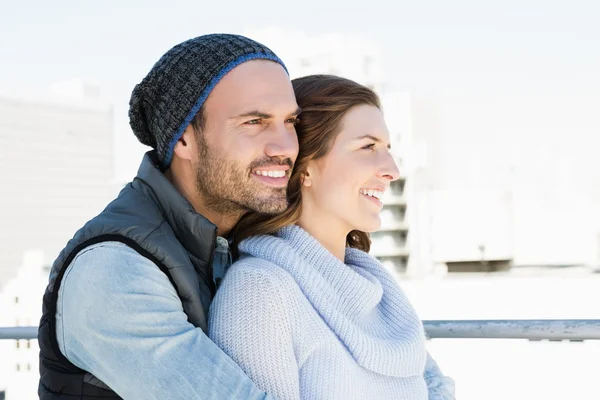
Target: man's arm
[
  {"x": 119, "y": 318},
  {"x": 440, "y": 387}
]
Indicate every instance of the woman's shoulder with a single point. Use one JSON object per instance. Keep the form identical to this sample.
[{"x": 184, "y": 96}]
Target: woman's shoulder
[
  {"x": 260, "y": 277},
  {"x": 251, "y": 265},
  {"x": 256, "y": 289}
]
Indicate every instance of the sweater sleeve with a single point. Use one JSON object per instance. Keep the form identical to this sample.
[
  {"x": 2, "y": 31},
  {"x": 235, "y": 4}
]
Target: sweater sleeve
[
  {"x": 440, "y": 387},
  {"x": 251, "y": 320}
]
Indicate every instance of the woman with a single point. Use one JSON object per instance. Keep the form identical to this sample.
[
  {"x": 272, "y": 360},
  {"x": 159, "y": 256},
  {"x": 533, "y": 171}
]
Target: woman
[{"x": 306, "y": 312}]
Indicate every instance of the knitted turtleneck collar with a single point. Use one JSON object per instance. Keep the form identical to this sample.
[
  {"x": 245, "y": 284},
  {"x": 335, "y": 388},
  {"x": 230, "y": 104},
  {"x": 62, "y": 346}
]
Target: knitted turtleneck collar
[{"x": 357, "y": 299}]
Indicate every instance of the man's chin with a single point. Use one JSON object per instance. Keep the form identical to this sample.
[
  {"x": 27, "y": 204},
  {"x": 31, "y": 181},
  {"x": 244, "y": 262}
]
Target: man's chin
[{"x": 270, "y": 206}]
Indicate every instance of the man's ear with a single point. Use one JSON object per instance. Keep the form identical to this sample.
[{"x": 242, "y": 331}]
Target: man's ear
[{"x": 185, "y": 148}]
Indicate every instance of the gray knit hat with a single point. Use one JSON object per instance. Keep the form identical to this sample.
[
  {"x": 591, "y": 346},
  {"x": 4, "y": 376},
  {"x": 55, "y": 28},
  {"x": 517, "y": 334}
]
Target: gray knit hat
[{"x": 168, "y": 98}]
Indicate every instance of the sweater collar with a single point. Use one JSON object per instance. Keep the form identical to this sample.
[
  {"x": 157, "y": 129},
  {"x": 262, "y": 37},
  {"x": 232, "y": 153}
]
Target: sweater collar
[{"x": 359, "y": 301}]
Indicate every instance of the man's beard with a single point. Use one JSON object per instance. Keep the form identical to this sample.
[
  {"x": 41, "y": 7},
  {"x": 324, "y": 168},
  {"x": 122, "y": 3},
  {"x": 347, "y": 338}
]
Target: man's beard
[{"x": 227, "y": 188}]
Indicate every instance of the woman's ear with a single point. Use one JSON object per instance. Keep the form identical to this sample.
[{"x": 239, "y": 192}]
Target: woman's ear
[{"x": 306, "y": 179}]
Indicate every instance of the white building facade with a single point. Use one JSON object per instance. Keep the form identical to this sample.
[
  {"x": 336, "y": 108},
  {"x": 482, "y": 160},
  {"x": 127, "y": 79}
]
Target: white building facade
[
  {"x": 57, "y": 171},
  {"x": 20, "y": 302}
]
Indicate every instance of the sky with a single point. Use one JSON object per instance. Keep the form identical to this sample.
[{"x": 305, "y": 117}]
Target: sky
[
  {"x": 460, "y": 45},
  {"x": 520, "y": 76}
]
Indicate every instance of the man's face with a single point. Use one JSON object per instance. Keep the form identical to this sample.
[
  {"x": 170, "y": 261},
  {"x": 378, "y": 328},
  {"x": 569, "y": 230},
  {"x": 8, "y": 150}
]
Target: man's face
[{"x": 249, "y": 144}]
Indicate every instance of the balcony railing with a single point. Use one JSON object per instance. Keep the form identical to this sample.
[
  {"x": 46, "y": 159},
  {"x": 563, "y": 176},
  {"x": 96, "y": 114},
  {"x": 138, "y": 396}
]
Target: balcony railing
[{"x": 544, "y": 329}]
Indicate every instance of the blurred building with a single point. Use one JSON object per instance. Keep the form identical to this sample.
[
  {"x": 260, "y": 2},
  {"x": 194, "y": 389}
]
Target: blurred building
[
  {"x": 57, "y": 168},
  {"x": 394, "y": 243},
  {"x": 20, "y": 302},
  {"x": 345, "y": 55}
]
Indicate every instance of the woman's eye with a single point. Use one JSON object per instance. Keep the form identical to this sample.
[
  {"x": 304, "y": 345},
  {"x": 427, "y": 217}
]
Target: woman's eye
[
  {"x": 369, "y": 146},
  {"x": 292, "y": 121}
]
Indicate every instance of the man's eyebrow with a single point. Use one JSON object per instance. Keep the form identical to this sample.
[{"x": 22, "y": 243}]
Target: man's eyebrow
[
  {"x": 255, "y": 114},
  {"x": 373, "y": 138},
  {"x": 262, "y": 115}
]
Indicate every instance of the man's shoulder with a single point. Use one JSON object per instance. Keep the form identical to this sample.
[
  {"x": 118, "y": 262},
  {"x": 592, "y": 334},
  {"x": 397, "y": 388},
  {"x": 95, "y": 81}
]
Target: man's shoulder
[
  {"x": 107, "y": 263},
  {"x": 107, "y": 253}
]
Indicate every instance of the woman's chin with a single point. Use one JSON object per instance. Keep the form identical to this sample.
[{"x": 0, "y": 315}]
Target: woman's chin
[{"x": 370, "y": 226}]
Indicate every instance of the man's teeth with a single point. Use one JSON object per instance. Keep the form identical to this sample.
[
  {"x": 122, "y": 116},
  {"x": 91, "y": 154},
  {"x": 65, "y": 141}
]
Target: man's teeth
[
  {"x": 378, "y": 194},
  {"x": 271, "y": 174}
]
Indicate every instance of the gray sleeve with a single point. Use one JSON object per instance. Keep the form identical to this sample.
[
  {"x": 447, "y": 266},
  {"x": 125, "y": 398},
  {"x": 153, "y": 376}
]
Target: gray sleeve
[{"x": 119, "y": 318}]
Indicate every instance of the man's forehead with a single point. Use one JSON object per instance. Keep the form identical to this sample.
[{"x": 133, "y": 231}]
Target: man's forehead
[
  {"x": 262, "y": 85},
  {"x": 269, "y": 107}
]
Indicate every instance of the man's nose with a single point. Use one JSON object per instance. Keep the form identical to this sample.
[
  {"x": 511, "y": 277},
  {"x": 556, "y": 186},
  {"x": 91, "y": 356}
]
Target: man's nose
[{"x": 283, "y": 143}]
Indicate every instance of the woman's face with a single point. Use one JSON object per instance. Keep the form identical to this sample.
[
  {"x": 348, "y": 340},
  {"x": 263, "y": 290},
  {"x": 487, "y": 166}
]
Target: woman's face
[{"x": 347, "y": 184}]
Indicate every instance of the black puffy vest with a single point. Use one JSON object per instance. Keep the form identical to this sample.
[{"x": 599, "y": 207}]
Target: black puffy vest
[{"x": 153, "y": 218}]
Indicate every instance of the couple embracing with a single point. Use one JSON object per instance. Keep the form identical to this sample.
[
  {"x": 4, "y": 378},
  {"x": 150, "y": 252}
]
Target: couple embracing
[{"x": 235, "y": 265}]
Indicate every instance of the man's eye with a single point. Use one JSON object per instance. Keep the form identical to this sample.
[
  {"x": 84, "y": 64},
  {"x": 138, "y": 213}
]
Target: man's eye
[
  {"x": 369, "y": 146},
  {"x": 253, "y": 121}
]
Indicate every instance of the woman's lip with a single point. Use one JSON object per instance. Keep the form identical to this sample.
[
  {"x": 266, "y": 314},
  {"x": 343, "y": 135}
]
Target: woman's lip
[{"x": 373, "y": 199}]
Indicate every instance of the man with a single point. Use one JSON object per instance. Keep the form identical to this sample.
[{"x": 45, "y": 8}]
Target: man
[{"x": 124, "y": 314}]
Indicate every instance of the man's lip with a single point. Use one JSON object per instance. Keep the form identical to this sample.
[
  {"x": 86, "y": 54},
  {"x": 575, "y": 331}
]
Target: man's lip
[
  {"x": 274, "y": 182},
  {"x": 271, "y": 168}
]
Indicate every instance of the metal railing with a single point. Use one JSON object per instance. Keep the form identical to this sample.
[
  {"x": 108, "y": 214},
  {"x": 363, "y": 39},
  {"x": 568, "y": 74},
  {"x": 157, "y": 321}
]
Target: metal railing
[
  {"x": 541, "y": 329},
  {"x": 18, "y": 332},
  {"x": 538, "y": 329}
]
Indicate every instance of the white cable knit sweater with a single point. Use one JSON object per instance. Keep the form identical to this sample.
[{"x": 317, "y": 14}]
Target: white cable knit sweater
[{"x": 302, "y": 324}]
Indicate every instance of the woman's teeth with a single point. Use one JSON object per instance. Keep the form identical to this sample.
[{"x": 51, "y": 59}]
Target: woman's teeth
[{"x": 378, "y": 194}]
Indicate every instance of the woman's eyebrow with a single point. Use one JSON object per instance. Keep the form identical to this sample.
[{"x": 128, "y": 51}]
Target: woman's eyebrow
[{"x": 373, "y": 138}]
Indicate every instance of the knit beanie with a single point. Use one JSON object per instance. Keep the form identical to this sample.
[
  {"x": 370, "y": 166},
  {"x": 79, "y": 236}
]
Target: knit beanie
[{"x": 165, "y": 102}]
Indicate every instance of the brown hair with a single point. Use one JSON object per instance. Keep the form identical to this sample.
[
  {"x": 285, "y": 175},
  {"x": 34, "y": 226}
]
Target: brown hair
[{"x": 324, "y": 100}]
